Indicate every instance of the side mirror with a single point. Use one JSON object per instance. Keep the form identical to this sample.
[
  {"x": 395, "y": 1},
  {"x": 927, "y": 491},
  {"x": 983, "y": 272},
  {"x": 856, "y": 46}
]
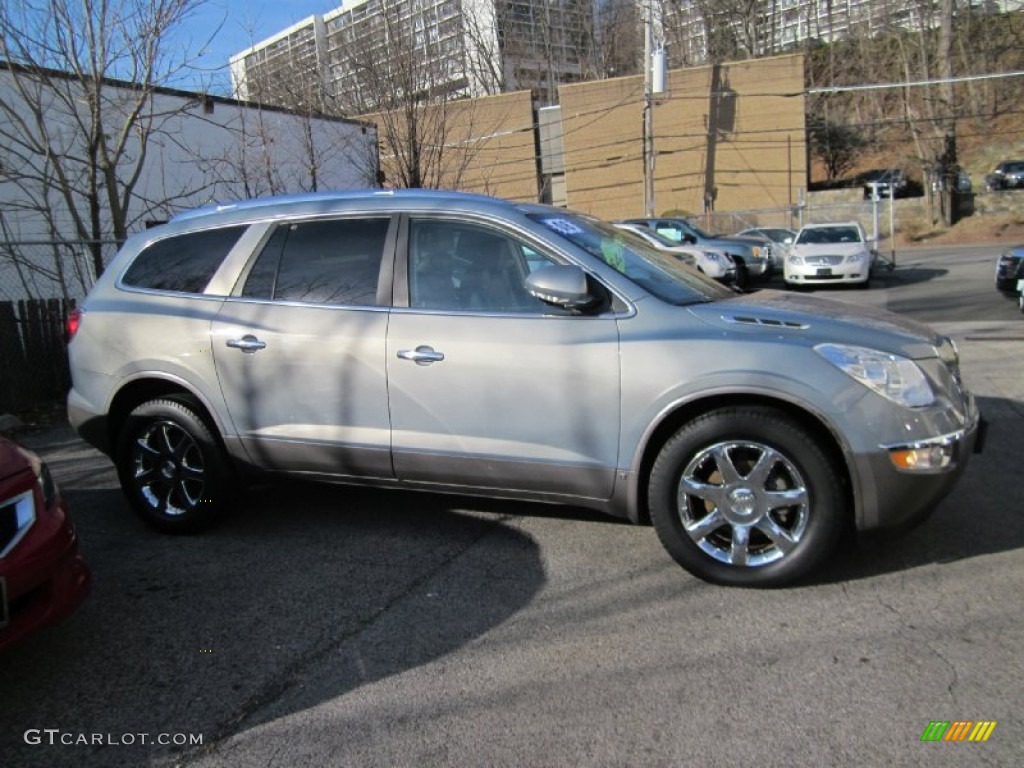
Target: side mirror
[
  {"x": 689, "y": 239},
  {"x": 561, "y": 285}
]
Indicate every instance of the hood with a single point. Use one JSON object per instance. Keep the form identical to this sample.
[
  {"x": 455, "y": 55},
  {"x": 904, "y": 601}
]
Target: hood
[
  {"x": 822, "y": 320},
  {"x": 747, "y": 240},
  {"x": 13, "y": 460}
]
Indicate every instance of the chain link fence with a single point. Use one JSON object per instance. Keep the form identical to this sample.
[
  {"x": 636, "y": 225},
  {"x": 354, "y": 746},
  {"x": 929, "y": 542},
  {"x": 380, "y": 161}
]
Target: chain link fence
[
  {"x": 879, "y": 218},
  {"x": 40, "y": 283}
]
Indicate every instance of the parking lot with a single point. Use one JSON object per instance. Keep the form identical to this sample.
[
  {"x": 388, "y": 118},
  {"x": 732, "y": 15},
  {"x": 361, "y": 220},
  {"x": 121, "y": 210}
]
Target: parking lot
[{"x": 350, "y": 627}]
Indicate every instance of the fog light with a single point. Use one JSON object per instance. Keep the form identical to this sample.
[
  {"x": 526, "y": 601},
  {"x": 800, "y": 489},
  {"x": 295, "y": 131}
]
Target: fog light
[{"x": 923, "y": 458}]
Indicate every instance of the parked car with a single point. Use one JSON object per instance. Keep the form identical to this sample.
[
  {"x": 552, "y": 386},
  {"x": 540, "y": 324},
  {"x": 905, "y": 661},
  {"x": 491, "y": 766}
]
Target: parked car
[
  {"x": 450, "y": 342},
  {"x": 830, "y": 254},
  {"x": 888, "y": 181},
  {"x": 42, "y": 576},
  {"x": 717, "y": 265},
  {"x": 782, "y": 241},
  {"x": 1006, "y": 175},
  {"x": 1010, "y": 268},
  {"x": 752, "y": 255}
]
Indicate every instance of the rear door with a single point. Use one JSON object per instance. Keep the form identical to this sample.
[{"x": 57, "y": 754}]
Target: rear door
[{"x": 300, "y": 348}]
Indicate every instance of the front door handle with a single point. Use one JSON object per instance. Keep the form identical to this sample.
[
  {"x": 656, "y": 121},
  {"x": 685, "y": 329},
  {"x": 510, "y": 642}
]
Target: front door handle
[
  {"x": 422, "y": 355},
  {"x": 247, "y": 344}
]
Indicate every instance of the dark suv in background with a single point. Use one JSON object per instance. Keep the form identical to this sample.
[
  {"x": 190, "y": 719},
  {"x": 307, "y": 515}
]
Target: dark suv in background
[
  {"x": 1006, "y": 175},
  {"x": 888, "y": 181}
]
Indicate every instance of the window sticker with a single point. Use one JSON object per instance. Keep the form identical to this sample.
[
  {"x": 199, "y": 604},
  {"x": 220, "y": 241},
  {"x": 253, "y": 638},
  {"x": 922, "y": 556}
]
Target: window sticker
[{"x": 563, "y": 226}]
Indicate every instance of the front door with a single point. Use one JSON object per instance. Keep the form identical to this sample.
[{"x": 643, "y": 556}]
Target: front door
[{"x": 489, "y": 388}]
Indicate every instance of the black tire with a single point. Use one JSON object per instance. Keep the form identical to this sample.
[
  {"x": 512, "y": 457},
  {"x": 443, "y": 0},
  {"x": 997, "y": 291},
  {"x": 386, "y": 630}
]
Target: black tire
[
  {"x": 742, "y": 275},
  {"x": 172, "y": 469},
  {"x": 717, "y": 455}
]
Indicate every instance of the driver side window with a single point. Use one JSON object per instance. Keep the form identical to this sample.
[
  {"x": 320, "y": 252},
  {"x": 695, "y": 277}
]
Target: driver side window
[{"x": 459, "y": 266}]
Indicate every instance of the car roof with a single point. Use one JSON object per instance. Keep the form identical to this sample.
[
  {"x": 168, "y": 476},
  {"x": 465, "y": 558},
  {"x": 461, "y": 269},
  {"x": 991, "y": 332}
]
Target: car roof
[
  {"x": 242, "y": 211},
  {"x": 823, "y": 224}
]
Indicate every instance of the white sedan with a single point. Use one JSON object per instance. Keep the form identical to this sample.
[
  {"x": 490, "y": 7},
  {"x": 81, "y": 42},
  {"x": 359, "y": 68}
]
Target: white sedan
[
  {"x": 713, "y": 263},
  {"x": 836, "y": 253}
]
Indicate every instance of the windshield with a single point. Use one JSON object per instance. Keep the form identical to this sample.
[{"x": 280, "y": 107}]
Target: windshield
[
  {"x": 776, "y": 235},
  {"x": 657, "y": 237},
  {"x": 658, "y": 272},
  {"x": 698, "y": 231},
  {"x": 829, "y": 235}
]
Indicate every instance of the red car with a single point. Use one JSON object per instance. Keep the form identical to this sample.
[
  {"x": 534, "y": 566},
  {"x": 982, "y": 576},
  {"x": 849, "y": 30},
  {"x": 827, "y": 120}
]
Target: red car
[{"x": 42, "y": 577}]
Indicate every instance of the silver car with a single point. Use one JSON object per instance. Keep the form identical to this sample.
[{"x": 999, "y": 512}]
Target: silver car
[{"x": 450, "y": 342}]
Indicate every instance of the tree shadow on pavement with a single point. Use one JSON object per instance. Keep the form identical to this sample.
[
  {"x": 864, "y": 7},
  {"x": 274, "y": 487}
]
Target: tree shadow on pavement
[{"x": 199, "y": 634}]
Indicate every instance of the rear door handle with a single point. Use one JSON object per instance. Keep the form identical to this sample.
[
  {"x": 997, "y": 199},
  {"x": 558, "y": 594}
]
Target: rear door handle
[
  {"x": 422, "y": 355},
  {"x": 247, "y": 344}
]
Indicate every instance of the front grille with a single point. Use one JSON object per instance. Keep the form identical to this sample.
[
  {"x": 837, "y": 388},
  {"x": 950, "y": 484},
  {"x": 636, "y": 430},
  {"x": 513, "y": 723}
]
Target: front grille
[{"x": 826, "y": 260}]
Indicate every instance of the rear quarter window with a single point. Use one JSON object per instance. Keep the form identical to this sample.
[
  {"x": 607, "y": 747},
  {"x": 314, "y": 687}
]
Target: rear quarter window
[{"x": 182, "y": 263}]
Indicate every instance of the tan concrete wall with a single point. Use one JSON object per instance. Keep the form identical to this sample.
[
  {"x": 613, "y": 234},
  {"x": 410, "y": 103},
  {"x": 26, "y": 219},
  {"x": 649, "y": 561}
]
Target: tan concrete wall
[
  {"x": 758, "y": 157},
  {"x": 755, "y": 135},
  {"x": 488, "y": 145}
]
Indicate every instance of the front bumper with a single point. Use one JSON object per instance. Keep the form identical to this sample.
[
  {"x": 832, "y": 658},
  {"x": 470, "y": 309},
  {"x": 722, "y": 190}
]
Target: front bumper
[
  {"x": 891, "y": 497},
  {"x": 45, "y": 578},
  {"x": 826, "y": 276}
]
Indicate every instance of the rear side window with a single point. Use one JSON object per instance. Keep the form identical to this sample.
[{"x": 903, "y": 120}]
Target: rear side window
[
  {"x": 184, "y": 263},
  {"x": 321, "y": 262}
]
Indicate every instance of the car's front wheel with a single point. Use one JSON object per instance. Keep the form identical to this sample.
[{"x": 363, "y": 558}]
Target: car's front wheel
[
  {"x": 171, "y": 468},
  {"x": 745, "y": 496}
]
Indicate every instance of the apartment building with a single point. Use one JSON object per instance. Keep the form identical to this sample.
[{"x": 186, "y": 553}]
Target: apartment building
[
  {"x": 287, "y": 68},
  {"x": 352, "y": 57},
  {"x": 696, "y": 28}
]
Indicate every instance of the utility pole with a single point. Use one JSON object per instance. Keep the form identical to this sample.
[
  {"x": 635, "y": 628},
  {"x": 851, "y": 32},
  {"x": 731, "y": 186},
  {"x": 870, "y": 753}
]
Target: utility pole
[
  {"x": 648, "y": 111},
  {"x": 654, "y": 84}
]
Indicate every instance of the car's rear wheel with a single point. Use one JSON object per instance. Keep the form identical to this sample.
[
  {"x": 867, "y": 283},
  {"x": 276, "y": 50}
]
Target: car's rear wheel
[
  {"x": 172, "y": 470},
  {"x": 746, "y": 496}
]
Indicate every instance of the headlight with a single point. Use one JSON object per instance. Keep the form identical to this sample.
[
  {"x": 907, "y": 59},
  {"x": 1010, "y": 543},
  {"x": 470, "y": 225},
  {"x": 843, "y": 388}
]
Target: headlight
[
  {"x": 756, "y": 252},
  {"x": 712, "y": 256},
  {"x": 794, "y": 259},
  {"x": 891, "y": 376},
  {"x": 853, "y": 258},
  {"x": 47, "y": 485}
]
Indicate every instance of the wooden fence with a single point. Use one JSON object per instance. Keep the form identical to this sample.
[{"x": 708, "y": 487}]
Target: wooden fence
[{"x": 33, "y": 352}]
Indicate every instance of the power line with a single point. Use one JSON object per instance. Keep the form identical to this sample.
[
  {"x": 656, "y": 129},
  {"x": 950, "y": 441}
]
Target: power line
[{"x": 911, "y": 83}]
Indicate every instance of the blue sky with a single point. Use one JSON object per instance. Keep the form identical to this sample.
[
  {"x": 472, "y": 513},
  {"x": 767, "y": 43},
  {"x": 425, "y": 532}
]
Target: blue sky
[{"x": 241, "y": 23}]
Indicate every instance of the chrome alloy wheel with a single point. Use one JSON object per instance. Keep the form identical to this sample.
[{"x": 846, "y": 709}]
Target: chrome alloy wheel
[
  {"x": 743, "y": 503},
  {"x": 168, "y": 469}
]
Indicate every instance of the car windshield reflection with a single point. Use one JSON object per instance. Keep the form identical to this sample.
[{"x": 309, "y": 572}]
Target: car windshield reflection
[{"x": 657, "y": 272}]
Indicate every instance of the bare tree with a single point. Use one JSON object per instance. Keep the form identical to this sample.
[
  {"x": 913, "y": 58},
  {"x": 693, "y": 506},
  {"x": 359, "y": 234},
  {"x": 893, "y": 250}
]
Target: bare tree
[
  {"x": 402, "y": 74},
  {"x": 837, "y": 145},
  {"x": 76, "y": 141},
  {"x": 618, "y": 39}
]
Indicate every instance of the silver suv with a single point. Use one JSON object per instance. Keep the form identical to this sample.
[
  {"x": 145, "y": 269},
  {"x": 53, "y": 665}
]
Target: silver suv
[{"x": 459, "y": 343}]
